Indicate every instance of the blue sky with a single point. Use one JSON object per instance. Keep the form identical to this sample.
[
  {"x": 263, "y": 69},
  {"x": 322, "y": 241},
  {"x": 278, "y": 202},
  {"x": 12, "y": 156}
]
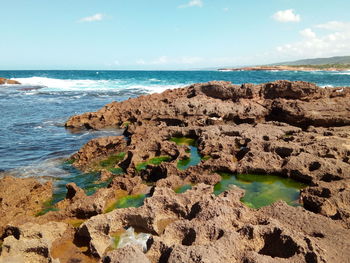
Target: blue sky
[{"x": 169, "y": 34}]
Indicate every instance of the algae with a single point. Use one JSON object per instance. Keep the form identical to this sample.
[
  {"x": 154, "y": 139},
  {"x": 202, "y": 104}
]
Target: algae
[
  {"x": 194, "y": 157},
  {"x": 70, "y": 161},
  {"x": 76, "y": 223},
  {"x": 183, "y": 141},
  {"x": 115, "y": 241},
  {"x": 116, "y": 171},
  {"x": 193, "y": 160},
  {"x": 183, "y": 188},
  {"x": 47, "y": 207},
  {"x": 262, "y": 190},
  {"x": 128, "y": 201},
  {"x": 206, "y": 157},
  {"x": 89, "y": 182},
  {"x": 112, "y": 160},
  {"x": 153, "y": 161},
  {"x": 125, "y": 124}
]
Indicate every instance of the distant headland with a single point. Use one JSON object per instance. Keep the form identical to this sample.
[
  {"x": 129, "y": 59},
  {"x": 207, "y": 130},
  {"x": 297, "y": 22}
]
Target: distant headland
[{"x": 324, "y": 64}]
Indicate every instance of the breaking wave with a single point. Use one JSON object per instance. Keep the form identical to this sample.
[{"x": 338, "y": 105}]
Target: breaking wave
[{"x": 53, "y": 84}]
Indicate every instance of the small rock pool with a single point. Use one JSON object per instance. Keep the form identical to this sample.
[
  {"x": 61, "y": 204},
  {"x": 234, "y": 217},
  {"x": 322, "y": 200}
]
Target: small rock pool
[
  {"x": 194, "y": 157},
  {"x": 262, "y": 190}
]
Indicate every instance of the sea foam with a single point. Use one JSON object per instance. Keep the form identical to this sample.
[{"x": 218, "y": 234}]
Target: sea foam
[{"x": 53, "y": 84}]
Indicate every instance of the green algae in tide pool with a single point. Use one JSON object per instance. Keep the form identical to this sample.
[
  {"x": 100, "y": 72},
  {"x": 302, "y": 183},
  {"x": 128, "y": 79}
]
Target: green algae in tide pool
[
  {"x": 153, "y": 161},
  {"x": 128, "y": 201},
  {"x": 194, "y": 158},
  {"x": 115, "y": 241},
  {"x": 183, "y": 141},
  {"x": 76, "y": 223},
  {"x": 70, "y": 161},
  {"x": 262, "y": 190},
  {"x": 116, "y": 171},
  {"x": 47, "y": 207},
  {"x": 112, "y": 160},
  {"x": 183, "y": 188},
  {"x": 89, "y": 182}
]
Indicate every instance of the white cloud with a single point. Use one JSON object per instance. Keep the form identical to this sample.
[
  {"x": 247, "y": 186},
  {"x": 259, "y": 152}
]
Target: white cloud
[
  {"x": 335, "y": 26},
  {"x": 93, "y": 18},
  {"x": 192, "y": 3},
  {"x": 308, "y": 33},
  {"x": 226, "y": 9},
  {"x": 286, "y": 16},
  {"x": 333, "y": 43}
]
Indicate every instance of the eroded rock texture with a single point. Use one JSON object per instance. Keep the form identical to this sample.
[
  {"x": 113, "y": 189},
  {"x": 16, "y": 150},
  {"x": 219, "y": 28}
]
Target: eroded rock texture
[{"x": 290, "y": 129}]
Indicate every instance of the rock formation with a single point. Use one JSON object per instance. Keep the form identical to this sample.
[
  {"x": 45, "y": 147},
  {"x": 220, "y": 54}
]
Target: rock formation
[
  {"x": 4, "y": 81},
  {"x": 291, "y": 129}
]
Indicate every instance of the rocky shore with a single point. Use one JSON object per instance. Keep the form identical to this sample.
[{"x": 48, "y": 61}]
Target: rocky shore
[{"x": 294, "y": 130}]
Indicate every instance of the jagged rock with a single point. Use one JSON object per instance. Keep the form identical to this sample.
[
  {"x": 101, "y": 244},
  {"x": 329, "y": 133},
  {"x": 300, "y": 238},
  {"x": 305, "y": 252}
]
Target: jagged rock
[
  {"x": 97, "y": 149},
  {"x": 31, "y": 243},
  {"x": 292, "y": 129}
]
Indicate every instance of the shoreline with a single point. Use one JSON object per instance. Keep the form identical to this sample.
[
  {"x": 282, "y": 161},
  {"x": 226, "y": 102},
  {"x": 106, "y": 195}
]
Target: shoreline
[
  {"x": 284, "y": 68},
  {"x": 291, "y": 129}
]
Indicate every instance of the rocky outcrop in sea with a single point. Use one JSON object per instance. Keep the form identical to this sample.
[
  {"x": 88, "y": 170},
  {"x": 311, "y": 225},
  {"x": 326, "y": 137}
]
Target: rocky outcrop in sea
[
  {"x": 195, "y": 175},
  {"x": 4, "y": 81}
]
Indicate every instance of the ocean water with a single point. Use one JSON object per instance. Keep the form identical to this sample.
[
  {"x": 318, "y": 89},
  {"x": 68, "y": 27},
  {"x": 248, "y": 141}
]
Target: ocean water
[{"x": 33, "y": 140}]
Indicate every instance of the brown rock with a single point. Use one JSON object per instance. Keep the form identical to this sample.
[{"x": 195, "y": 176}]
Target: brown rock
[
  {"x": 21, "y": 198},
  {"x": 4, "y": 81},
  {"x": 97, "y": 149},
  {"x": 31, "y": 243},
  {"x": 128, "y": 254}
]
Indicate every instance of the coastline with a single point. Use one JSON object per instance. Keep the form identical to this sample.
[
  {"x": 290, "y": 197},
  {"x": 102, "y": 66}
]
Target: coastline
[
  {"x": 290, "y": 129},
  {"x": 286, "y": 68}
]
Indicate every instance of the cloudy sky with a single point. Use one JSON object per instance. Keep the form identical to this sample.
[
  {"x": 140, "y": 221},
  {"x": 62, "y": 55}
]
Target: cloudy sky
[{"x": 169, "y": 34}]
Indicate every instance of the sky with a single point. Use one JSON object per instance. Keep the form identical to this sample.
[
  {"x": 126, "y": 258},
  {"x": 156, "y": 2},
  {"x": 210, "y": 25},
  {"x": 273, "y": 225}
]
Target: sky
[{"x": 169, "y": 34}]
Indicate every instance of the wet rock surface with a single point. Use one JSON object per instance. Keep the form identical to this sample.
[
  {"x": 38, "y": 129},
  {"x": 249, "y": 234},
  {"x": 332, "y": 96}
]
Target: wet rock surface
[{"x": 290, "y": 129}]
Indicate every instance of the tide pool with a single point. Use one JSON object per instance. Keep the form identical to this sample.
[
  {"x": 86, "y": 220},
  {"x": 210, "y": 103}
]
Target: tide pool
[{"x": 262, "y": 190}]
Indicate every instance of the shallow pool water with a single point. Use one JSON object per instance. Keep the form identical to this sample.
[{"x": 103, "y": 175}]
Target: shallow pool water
[
  {"x": 89, "y": 182},
  {"x": 128, "y": 201},
  {"x": 262, "y": 190},
  {"x": 194, "y": 157},
  {"x": 153, "y": 161},
  {"x": 183, "y": 188}
]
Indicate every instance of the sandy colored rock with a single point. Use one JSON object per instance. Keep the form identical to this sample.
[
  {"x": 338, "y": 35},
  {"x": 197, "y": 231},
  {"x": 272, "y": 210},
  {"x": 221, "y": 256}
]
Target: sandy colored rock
[
  {"x": 31, "y": 243},
  {"x": 291, "y": 129},
  {"x": 97, "y": 149},
  {"x": 4, "y": 81},
  {"x": 128, "y": 254},
  {"x": 21, "y": 198}
]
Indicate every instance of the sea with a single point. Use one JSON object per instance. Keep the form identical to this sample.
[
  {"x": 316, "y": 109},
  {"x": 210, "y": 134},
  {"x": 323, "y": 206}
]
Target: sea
[{"x": 33, "y": 139}]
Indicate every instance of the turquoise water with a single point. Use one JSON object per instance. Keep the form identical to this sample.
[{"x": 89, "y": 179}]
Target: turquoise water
[
  {"x": 194, "y": 157},
  {"x": 262, "y": 190},
  {"x": 193, "y": 160},
  {"x": 33, "y": 138},
  {"x": 89, "y": 182},
  {"x": 128, "y": 201},
  {"x": 183, "y": 188}
]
